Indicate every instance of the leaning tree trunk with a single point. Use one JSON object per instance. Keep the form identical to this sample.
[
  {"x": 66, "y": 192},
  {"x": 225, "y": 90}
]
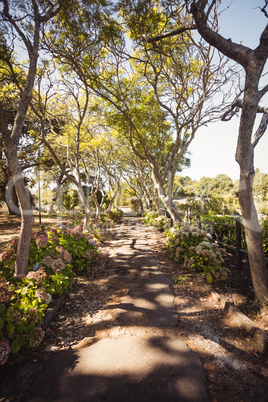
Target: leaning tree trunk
[
  {"x": 21, "y": 266},
  {"x": 166, "y": 199},
  {"x": 98, "y": 208},
  {"x": 256, "y": 257},
  {"x": 245, "y": 158},
  {"x": 156, "y": 204}
]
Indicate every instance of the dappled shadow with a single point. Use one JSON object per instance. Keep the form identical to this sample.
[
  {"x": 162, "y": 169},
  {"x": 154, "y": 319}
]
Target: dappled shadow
[
  {"x": 43, "y": 374},
  {"x": 155, "y": 369}
]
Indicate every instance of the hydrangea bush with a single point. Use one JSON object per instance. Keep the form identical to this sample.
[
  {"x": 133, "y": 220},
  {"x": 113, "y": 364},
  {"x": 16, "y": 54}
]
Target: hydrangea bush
[
  {"x": 55, "y": 257},
  {"x": 151, "y": 218},
  {"x": 111, "y": 217},
  {"x": 193, "y": 248}
]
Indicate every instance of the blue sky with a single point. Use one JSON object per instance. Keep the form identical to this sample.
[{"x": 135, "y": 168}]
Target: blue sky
[{"x": 213, "y": 149}]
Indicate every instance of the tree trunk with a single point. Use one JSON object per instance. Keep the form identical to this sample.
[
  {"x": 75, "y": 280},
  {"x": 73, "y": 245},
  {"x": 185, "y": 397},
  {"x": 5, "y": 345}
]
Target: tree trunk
[
  {"x": 86, "y": 205},
  {"x": 245, "y": 158},
  {"x": 156, "y": 204},
  {"x": 21, "y": 266},
  {"x": 256, "y": 257},
  {"x": 98, "y": 214},
  {"x": 50, "y": 208},
  {"x": 166, "y": 199},
  {"x": 98, "y": 208},
  {"x": 12, "y": 199},
  {"x": 111, "y": 202}
]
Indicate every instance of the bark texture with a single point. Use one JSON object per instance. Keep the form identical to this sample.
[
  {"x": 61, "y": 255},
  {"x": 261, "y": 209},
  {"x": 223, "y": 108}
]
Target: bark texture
[{"x": 253, "y": 61}]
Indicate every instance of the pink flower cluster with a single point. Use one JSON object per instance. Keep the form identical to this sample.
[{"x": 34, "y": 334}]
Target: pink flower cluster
[
  {"x": 54, "y": 239},
  {"x": 55, "y": 264},
  {"x": 8, "y": 254},
  {"x": 38, "y": 275},
  {"x": 4, "y": 351},
  {"x": 91, "y": 242},
  {"x": 41, "y": 240},
  {"x": 64, "y": 253},
  {"x": 78, "y": 228},
  {"x": 41, "y": 293},
  {"x": 5, "y": 293}
]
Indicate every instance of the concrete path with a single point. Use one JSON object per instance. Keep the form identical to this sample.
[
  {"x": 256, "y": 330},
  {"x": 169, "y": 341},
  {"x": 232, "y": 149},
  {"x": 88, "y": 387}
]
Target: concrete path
[{"x": 141, "y": 360}]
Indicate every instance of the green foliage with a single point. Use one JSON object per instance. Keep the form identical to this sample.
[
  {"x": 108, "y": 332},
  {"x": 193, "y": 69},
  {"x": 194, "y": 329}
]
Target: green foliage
[
  {"x": 193, "y": 248},
  {"x": 221, "y": 184},
  {"x": 223, "y": 233},
  {"x": 20, "y": 310},
  {"x": 181, "y": 280},
  {"x": 70, "y": 199},
  {"x": 134, "y": 204},
  {"x": 114, "y": 216},
  {"x": 54, "y": 259},
  {"x": 151, "y": 218},
  {"x": 264, "y": 231}
]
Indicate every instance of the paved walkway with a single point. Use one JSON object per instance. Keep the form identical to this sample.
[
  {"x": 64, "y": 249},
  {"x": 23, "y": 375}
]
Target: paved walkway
[{"x": 141, "y": 360}]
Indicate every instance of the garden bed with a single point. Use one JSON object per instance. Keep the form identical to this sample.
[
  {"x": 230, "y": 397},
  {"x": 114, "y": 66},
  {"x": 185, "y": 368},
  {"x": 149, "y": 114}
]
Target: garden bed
[{"x": 233, "y": 364}]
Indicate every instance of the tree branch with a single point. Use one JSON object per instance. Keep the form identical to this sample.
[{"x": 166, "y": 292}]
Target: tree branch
[
  {"x": 233, "y": 109},
  {"x": 175, "y": 32},
  {"x": 239, "y": 53},
  {"x": 261, "y": 129}
]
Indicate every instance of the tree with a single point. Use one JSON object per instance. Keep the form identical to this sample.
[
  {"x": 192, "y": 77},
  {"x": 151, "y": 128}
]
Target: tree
[
  {"x": 70, "y": 138},
  {"x": 135, "y": 92},
  {"x": 253, "y": 62},
  {"x": 24, "y": 21}
]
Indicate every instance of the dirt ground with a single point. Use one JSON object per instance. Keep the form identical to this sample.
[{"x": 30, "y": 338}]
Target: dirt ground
[
  {"x": 235, "y": 370},
  {"x": 10, "y": 225}
]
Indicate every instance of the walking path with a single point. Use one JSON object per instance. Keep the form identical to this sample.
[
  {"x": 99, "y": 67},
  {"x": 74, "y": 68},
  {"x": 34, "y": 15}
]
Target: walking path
[{"x": 142, "y": 359}]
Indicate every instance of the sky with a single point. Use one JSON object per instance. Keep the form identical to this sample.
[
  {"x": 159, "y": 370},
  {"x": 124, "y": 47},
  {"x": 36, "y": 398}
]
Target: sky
[{"x": 213, "y": 148}]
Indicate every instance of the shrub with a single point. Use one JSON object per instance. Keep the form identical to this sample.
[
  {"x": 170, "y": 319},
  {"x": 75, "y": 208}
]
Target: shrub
[
  {"x": 223, "y": 233},
  {"x": 112, "y": 216},
  {"x": 134, "y": 204},
  {"x": 149, "y": 216},
  {"x": 54, "y": 258},
  {"x": 192, "y": 247}
]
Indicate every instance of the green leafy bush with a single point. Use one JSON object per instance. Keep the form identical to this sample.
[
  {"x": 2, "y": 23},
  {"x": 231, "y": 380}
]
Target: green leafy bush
[
  {"x": 264, "y": 231},
  {"x": 55, "y": 257},
  {"x": 151, "y": 218},
  {"x": 223, "y": 233},
  {"x": 112, "y": 216},
  {"x": 192, "y": 247}
]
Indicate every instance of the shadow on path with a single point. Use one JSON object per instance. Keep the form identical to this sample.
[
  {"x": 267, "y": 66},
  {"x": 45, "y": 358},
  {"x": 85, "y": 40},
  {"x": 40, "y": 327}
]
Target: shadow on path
[{"x": 141, "y": 359}]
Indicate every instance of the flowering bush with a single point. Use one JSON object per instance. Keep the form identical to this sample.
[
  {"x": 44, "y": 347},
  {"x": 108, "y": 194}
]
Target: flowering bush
[
  {"x": 22, "y": 306},
  {"x": 192, "y": 247},
  {"x": 113, "y": 216},
  {"x": 76, "y": 243},
  {"x": 161, "y": 222},
  {"x": 149, "y": 216},
  {"x": 53, "y": 257}
]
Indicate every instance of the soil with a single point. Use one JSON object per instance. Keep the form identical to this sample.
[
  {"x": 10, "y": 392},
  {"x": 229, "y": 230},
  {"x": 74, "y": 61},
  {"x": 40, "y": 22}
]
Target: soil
[{"x": 235, "y": 369}]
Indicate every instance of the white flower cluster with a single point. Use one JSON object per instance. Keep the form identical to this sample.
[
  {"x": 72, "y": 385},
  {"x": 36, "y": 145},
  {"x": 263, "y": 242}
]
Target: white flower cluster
[
  {"x": 186, "y": 231},
  {"x": 193, "y": 247},
  {"x": 161, "y": 222}
]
